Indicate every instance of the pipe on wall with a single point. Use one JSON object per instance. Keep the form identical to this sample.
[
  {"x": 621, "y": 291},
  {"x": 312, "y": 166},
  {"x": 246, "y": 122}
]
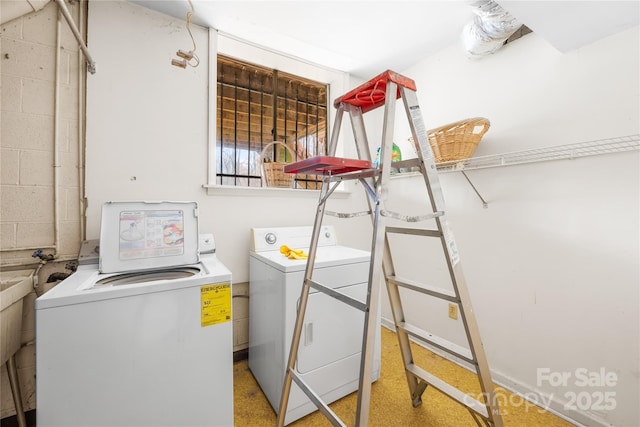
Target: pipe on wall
[
  {"x": 82, "y": 79},
  {"x": 91, "y": 65},
  {"x": 56, "y": 139}
]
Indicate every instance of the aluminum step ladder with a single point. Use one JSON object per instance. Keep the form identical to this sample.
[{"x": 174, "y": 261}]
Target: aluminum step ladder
[{"x": 384, "y": 90}]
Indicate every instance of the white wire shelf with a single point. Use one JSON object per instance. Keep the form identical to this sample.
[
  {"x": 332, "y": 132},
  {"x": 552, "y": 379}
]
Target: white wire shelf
[{"x": 560, "y": 152}]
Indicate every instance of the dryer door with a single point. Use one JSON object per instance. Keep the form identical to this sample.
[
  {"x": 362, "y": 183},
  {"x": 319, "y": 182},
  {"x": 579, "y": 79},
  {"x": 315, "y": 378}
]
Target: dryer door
[{"x": 332, "y": 330}]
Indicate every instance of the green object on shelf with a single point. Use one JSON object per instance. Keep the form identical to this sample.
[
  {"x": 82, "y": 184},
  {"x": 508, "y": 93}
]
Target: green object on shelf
[{"x": 396, "y": 155}]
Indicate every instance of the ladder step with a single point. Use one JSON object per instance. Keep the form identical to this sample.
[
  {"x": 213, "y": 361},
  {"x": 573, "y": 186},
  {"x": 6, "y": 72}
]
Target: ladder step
[
  {"x": 327, "y": 165},
  {"x": 339, "y": 296},
  {"x": 446, "y": 388},
  {"x": 438, "y": 342},
  {"x": 320, "y": 404},
  {"x": 424, "y": 289},
  {"x": 414, "y": 231},
  {"x": 372, "y": 94}
]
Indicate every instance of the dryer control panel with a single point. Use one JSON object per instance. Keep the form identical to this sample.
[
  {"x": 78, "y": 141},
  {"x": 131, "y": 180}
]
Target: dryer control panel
[{"x": 270, "y": 239}]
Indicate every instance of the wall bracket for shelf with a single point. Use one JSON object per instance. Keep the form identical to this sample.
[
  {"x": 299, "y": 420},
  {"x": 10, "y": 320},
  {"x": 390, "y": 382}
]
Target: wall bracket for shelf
[{"x": 484, "y": 202}]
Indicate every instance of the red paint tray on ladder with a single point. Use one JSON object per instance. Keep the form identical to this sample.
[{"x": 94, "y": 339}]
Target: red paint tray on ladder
[{"x": 327, "y": 165}]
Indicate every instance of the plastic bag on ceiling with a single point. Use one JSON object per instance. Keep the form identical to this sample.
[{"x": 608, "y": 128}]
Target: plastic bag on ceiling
[{"x": 490, "y": 27}]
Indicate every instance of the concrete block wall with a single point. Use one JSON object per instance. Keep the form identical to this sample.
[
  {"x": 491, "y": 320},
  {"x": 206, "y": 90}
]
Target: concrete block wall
[
  {"x": 28, "y": 72},
  {"x": 28, "y": 47}
]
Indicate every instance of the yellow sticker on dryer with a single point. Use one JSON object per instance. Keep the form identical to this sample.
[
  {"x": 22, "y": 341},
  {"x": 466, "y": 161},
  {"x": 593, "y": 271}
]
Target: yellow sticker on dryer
[{"x": 215, "y": 304}]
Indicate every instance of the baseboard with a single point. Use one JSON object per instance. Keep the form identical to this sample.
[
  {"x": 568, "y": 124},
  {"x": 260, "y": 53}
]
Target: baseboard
[{"x": 240, "y": 355}]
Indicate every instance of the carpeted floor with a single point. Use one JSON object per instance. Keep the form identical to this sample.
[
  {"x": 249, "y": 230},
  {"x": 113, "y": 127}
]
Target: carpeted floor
[{"x": 390, "y": 401}]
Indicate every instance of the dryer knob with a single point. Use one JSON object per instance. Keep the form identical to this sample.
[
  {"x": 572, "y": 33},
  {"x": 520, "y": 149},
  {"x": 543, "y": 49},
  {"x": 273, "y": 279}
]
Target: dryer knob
[{"x": 270, "y": 238}]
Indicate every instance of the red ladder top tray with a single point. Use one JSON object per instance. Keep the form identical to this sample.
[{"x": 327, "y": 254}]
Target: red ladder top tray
[
  {"x": 327, "y": 165},
  {"x": 372, "y": 94}
]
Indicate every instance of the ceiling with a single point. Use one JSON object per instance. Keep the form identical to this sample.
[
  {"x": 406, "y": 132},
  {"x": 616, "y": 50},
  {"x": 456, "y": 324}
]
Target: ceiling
[{"x": 365, "y": 38}]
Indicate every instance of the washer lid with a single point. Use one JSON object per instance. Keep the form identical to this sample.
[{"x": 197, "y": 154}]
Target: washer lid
[
  {"x": 89, "y": 252},
  {"x": 148, "y": 235},
  {"x": 81, "y": 287},
  {"x": 326, "y": 256}
]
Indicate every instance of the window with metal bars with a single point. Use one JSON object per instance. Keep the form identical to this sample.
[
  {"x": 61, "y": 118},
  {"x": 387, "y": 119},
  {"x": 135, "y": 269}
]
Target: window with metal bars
[{"x": 257, "y": 106}]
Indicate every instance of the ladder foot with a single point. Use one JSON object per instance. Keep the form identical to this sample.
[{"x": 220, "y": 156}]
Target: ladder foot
[
  {"x": 416, "y": 398},
  {"x": 481, "y": 421}
]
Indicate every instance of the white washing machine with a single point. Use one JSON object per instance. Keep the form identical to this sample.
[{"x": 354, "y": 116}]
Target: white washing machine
[
  {"x": 331, "y": 341},
  {"x": 141, "y": 348}
]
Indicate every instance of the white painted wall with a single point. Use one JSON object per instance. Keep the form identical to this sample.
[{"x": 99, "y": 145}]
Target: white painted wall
[
  {"x": 146, "y": 120},
  {"x": 147, "y": 134},
  {"x": 553, "y": 263}
]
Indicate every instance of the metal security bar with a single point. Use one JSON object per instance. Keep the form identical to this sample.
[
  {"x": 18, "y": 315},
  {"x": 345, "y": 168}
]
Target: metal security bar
[{"x": 258, "y": 105}]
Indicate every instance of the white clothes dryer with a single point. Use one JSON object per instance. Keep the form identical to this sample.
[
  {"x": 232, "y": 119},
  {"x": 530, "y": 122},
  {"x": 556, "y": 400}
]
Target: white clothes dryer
[
  {"x": 141, "y": 348},
  {"x": 331, "y": 342}
]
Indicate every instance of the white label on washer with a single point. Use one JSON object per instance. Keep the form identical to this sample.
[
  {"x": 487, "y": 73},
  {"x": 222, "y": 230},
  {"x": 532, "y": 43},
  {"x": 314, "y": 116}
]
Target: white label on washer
[{"x": 151, "y": 234}]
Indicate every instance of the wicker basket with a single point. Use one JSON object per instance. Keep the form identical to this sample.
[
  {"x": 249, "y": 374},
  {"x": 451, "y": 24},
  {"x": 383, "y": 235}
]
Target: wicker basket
[
  {"x": 457, "y": 141},
  {"x": 273, "y": 172}
]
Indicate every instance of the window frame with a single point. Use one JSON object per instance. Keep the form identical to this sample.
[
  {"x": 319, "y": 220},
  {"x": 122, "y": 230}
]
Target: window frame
[
  {"x": 335, "y": 80},
  {"x": 296, "y": 110}
]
